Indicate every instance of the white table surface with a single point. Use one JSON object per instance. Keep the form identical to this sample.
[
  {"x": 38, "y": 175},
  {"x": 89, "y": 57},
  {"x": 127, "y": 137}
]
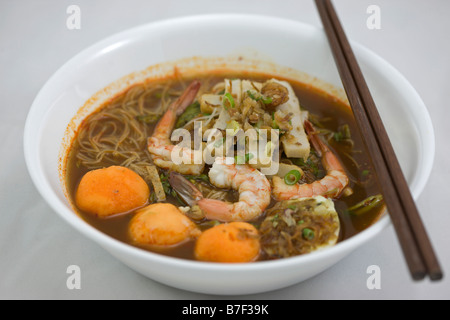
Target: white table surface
[{"x": 36, "y": 246}]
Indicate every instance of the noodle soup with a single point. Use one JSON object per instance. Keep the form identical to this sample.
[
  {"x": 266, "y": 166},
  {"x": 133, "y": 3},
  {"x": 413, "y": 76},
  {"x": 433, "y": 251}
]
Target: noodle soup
[{"x": 263, "y": 216}]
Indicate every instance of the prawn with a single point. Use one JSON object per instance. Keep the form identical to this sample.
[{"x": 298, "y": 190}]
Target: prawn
[
  {"x": 330, "y": 186},
  {"x": 253, "y": 187},
  {"x": 159, "y": 144}
]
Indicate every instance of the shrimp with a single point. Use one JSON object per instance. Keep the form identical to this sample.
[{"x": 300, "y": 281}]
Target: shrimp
[
  {"x": 253, "y": 187},
  {"x": 330, "y": 186},
  {"x": 159, "y": 144}
]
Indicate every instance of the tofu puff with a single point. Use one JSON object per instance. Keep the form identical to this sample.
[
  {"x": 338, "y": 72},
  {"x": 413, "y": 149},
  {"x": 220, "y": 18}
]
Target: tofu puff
[
  {"x": 161, "y": 224},
  {"x": 112, "y": 190},
  {"x": 228, "y": 242}
]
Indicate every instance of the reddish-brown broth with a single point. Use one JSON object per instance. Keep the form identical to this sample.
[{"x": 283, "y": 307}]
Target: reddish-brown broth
[{"x": 317, "y": 102}]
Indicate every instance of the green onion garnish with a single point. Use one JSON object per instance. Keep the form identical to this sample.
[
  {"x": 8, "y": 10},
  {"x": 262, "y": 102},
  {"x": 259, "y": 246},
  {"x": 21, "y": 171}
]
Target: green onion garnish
[
  {"x": 366, "y": 205},
  {"x": 228, "y": 97},
  {"x": 202, "y": 177},
  {"x": 243, "y": 159},
  {"x": 275, "y": 220},
  {"x": 251, "y": 95},
  {"x": 292, "y": 177},
  {"x": 265, "y": 100},
  {"x": 308, "y": 234}
]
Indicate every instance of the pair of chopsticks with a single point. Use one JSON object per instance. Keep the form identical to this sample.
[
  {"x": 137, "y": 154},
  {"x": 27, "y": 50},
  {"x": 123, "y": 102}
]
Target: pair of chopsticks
[{"x": 411, "y": 233}]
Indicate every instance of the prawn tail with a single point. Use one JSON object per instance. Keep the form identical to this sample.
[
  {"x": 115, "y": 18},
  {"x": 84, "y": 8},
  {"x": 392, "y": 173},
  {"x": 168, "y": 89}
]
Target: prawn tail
[
  {"x": 187, "y": 191},
  {"x": 330, "y": 160},
  {"x": 188, "y": 96},
  {"x": 315, "y": 140},
  {"x": 215, "y": 209},
  {"x": 165, "y": 125}
]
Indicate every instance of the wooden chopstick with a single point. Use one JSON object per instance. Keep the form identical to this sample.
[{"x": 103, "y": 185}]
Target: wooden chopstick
[{"x": 418, "y": 251}]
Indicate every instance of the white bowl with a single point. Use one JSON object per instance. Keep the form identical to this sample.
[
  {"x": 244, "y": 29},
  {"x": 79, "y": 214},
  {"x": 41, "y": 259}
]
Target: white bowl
[{"x": 282, "y": 45}]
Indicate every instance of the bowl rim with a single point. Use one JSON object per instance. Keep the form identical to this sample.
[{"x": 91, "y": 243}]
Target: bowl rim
[{"x": 32, "y": 157}]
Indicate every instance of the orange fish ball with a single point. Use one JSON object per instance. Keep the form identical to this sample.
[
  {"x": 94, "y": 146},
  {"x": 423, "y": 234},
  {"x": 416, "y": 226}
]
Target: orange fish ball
[
  {"x": 161, "y": 224},
  {"x": 228, "y": 242},
  {"x": 113, "y": 190}
]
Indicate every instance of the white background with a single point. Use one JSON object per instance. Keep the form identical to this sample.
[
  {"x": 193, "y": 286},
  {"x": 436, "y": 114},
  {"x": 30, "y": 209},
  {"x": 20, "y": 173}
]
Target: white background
[{"x": 36, "y": 246}]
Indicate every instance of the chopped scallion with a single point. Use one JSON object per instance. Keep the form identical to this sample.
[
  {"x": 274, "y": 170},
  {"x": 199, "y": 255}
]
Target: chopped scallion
[
  {"x": 366, "y": 205},
  {"x": 201, "y": 177},
  {"x": 243, "y": 159},
  {"x": 292, "y": 177},
  {"x": 251, "y": 95},
  {"x": 308, "y": 234},
  {"x": 265, "y": 100},
  {"x": 227, "y": 97}
]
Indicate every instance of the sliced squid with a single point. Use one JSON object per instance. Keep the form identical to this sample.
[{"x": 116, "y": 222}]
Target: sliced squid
[
  {"x": 208, "y": 102},
  {"x": 295, "y": 142}
]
